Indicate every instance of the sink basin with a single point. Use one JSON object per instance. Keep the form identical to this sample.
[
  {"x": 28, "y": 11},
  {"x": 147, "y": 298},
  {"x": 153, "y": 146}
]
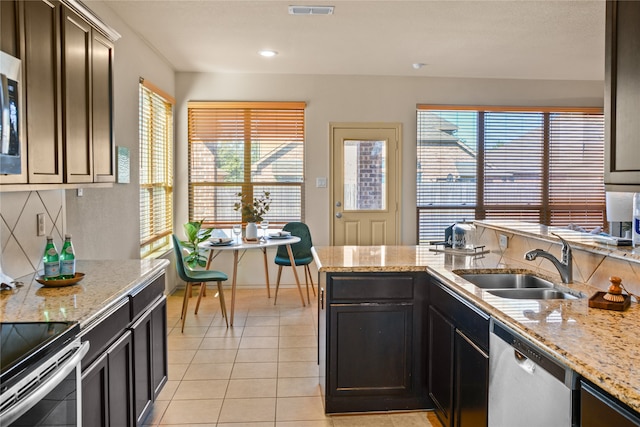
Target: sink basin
[
  {"x": 531, "y": 293},
  {"x": 507, "y": 281}
]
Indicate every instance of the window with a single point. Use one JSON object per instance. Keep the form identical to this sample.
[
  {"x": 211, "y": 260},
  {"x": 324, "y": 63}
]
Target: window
[
  {"x": 156, "y": 169},
  {"x": 537, "y": 165},
  {"x": 248, "y": 147}
]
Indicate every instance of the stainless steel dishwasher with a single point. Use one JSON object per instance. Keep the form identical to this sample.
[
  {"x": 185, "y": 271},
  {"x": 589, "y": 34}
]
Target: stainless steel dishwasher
[{"x": 526, "y": 387}]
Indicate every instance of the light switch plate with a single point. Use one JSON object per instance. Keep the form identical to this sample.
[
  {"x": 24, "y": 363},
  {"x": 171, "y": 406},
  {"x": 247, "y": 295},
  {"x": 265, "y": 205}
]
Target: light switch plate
[
  {"x": 42, "y": 224},
  {"x": 321, "y": 182}
]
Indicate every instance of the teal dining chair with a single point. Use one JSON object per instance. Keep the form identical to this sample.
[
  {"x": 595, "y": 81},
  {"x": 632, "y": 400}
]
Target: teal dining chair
[
  {"x": 197, "y": 276},
  {"x": 301, "y": 255}
]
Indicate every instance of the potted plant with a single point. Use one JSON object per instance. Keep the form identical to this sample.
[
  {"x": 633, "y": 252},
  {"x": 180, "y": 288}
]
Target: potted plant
[
  {"x": 253, "y": 211},
  {"x": 195, "y": 235}
]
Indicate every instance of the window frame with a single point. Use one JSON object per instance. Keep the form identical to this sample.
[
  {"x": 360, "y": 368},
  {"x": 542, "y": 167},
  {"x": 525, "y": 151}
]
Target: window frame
[
  {"x": 247, "y": 185},
  {"x": 156, "y": 161},
  {"x": 481, "y": 207}
]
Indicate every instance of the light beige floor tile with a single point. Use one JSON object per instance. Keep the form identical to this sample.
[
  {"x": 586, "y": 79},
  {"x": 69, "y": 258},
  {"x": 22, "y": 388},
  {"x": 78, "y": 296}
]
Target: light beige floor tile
[
  {"x": 208, "y": 371},
  {"x": 254, "y": 370},
  {"x": 220, "y": 343},
  {"x": 190, "y": 331},
  {"x": 264, "y": 312},
  {"x": 251, "y": 388},
  {"x": 224, "y": 332},
  {"x": 192, "y": 412},
  {"x": 214, "y": 356},
  {"x": 180, "y": 356},
  {"x": 178, "y": 342},
  {"x": 265, "y": 424},
  {"x": 296, "y": 330},
  {"x": 176, "y": 371},
  {"x": 263, "y": 321},
  {"x": 316, "y": 423},
  {"x": 246, "y": 355},
  {"x": 368, "y": 420},
  {"x": 168, "y": 390},
  {"x": 300, "y": 409},
  {"x": 298, "y": 387},
  {"x": 297, "y": 369},
  {"x": 304, "y": 354},
  {"x": 248, "y": 410},
  {"x": 298, "y": 341},
  {"x": 201, "y": 389},
  {"x": 259, "y": 342},
  {"x": 297, "y": 320},
  {"x": 260, "y": 331}
]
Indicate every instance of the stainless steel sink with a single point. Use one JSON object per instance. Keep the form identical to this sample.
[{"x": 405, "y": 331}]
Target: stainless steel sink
[
  {"x": 506, "y": 281},
  {"x": 515, "y": 285},
  {"x": 531, "y": 293}
]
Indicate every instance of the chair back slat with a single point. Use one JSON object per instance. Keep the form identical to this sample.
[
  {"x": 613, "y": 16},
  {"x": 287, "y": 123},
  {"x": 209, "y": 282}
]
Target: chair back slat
[
  {"x": 177, "y": 249},
  {"x": 302, "y": 249}
]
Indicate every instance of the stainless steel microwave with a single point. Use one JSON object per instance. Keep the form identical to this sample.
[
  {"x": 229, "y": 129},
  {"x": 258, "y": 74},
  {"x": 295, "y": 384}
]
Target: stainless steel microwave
[{"x": 10, "y": 125}]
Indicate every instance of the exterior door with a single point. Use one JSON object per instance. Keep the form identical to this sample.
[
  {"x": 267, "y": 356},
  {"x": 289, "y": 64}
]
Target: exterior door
[{"x": 365, "y": 195}]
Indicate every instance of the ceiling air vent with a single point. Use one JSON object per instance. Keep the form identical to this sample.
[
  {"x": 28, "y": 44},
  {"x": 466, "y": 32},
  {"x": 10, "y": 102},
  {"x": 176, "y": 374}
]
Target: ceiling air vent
[{"x": 310, "y": 10}]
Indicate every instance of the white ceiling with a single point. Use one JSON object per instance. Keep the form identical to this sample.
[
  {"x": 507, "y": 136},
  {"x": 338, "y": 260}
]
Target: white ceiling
[{"x": 517, "y": 39}]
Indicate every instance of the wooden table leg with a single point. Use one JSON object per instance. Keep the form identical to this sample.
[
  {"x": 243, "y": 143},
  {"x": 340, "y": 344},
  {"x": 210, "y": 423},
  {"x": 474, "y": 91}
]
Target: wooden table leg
[
  {"x": 266, "y": 270},
  {"x": 295, "y": 274},
  {"x": 233, "y": 284}
]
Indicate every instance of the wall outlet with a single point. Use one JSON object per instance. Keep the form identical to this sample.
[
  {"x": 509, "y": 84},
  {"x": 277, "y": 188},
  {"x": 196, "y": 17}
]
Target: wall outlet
[
  {"x": 504, "y": 242},
  {"x": 42, "y": 224}
]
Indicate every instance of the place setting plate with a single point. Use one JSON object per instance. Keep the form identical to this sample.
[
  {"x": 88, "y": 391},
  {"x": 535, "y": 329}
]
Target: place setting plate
[
  {"x": 279, "y": 235},
  {"x": 221, "y": 241}
]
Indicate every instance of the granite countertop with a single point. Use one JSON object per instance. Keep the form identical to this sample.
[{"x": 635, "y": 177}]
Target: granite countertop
[
  {"x": 602, "y": 346},
  {"x": 104, "y": 284}
]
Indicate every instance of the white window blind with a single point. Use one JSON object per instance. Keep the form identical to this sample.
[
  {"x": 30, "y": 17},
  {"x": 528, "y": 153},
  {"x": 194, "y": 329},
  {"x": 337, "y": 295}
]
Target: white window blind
[
  {"x": 248, "y": 147},
  {"x": 537, "y": 165},
  {"x": 156, "y": 168}
]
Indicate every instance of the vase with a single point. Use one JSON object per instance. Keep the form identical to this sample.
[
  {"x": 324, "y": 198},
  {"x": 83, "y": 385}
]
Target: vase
[{"x": 251, "y": 231}]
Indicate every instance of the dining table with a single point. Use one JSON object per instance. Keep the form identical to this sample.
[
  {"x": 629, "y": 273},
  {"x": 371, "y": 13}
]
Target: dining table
[{"x": 239, "y": 248}]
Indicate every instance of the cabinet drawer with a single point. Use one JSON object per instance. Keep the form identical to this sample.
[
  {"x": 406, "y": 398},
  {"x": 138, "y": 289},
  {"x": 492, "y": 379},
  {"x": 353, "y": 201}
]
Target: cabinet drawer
[
  {"x": 103, "y": 333},
  {"x": 142, "y": 297},
  {"x": 470, "y": 320},
  {"x": 369, "y": 288}
]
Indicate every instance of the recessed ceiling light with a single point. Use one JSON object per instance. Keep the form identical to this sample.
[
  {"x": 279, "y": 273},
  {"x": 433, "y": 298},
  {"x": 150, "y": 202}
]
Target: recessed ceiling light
[
  {"x": 310, "y": 10},
  {"x": 268, "y": 53},
  {"x": 418, "y": 65}
]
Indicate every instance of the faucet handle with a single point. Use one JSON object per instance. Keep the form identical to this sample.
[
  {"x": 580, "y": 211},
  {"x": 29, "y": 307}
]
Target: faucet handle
[{"x": 565, "y": 244}]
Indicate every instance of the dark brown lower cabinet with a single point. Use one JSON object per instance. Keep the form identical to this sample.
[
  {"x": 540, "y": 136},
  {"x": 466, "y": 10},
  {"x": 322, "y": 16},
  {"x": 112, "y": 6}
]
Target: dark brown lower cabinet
[
  {"x": 458, "y": 359},
  {"x": 599, "y": 409},
  {"x": 375, "y": 345},
  {"x": 107, "y": 392}
]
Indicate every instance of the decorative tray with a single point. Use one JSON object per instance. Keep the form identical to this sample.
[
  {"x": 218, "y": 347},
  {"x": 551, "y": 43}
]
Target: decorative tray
[{"x": 56, "y": 283}]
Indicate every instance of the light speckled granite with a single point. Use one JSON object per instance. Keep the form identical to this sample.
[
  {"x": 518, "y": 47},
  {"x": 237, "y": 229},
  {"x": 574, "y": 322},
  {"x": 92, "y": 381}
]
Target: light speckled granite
[
  {"x": 104, "y": 284},
  {"x": 602, "y": 346}
]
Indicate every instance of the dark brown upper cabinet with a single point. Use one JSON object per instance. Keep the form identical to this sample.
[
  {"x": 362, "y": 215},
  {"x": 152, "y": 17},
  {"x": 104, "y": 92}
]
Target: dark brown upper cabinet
[{"x": 622, "y": 96}]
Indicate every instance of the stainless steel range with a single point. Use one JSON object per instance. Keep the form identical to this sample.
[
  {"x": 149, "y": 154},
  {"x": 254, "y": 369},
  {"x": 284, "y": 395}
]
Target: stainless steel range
[{"x": 40, "y": 382}]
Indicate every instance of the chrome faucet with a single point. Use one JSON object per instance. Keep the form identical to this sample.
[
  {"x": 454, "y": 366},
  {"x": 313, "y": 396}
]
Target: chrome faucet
[{"x": 565, "y": 267}]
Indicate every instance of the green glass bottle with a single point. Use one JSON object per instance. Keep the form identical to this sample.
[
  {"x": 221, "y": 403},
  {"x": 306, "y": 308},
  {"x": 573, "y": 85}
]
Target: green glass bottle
[
  {"x": 51, "y": 260},
  {"x": 67, "y": 259}
]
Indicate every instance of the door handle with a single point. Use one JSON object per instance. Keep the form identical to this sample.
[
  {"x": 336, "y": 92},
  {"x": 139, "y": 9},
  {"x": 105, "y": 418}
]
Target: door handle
[
  {"x": 338, "y": 204},
  {"x": 339, "y": 215}
]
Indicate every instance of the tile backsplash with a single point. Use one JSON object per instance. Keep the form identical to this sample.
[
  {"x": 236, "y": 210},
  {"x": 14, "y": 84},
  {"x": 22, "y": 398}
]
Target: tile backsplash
[{"x": 20, "y": 246}]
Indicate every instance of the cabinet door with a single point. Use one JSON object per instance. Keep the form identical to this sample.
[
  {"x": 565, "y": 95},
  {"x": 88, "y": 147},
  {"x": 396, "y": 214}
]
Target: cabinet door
[
  {"x": 159, "y": 366},
  {"x": 371, "y": 349},
  {"x": 76, "y": 76},
  {"x": 471, "y": 383},
  {"x": 441, "y": 352},
  {"x": 9, "y": 27},
  {"x": 142, "y": 362},
  {"x": 597, "y": 409},
  {"x": 102, "y": 109},
  {"x": 119, "y": 355},
  {"x": 42, "y": 89},
  {"x": 95, "y": 394},
  {"x": 622, "y": 94}
]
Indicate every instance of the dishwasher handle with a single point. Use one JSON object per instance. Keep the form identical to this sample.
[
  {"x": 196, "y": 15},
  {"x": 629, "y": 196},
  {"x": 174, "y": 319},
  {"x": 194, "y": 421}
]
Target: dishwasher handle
[{"x": 524, "y": 362}]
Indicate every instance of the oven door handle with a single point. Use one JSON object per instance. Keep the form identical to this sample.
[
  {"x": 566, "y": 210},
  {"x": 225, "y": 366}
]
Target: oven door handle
[{"x": 16, "y": 411}]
